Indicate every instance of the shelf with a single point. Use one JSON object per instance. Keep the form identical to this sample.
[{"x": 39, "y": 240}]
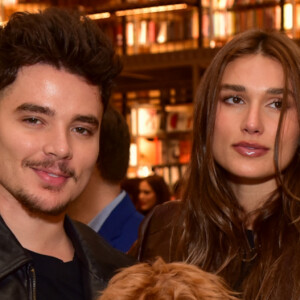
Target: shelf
[
  {"x": 249, "y": 6},
  {"x": 179, "y": 70},
  {"x": 136, "y": 5},
  {"x": 166, "y": 135}
]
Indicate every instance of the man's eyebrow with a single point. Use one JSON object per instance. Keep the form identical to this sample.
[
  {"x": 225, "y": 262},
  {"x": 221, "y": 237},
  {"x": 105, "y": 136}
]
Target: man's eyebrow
[
  {"x": 233, "y": 87},
  {"x": 35, "y": 108},
  {"x": 90, "y": 119}
]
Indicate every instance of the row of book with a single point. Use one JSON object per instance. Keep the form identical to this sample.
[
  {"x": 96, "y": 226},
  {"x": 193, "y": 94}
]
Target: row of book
[
  {"x": 227, "y": 23},
  {"x": 154, "y": 29},
  {"x": 180, "y": 30},
  {"x": 228, "y": 4},
  {"x": 158, "y": 152},
  {"x": 148, "y": 121},
  {"x": 171, "y": 173}
]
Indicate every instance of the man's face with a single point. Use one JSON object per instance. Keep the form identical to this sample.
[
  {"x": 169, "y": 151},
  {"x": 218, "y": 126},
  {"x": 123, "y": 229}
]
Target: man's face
[{"x": 49, "y": 137}]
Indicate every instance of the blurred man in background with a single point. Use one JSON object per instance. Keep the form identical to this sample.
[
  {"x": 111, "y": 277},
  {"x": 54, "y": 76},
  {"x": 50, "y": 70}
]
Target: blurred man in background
[{"x": 103, "y": 205}]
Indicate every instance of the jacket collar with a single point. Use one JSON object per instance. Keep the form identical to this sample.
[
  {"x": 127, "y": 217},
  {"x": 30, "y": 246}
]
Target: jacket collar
[
  {"x": 99, "y": 260},
  {"x": 12, "y": 254}
]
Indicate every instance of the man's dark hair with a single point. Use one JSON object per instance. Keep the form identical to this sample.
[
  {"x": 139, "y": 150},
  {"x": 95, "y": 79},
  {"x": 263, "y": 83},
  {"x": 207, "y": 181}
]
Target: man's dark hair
[
  {"x": 60, "y": 38},
  {"x": 113, "y": 156}
]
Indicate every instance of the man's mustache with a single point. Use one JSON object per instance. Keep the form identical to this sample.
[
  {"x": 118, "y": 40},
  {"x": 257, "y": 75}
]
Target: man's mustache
[{"x": 62, "y": 166}]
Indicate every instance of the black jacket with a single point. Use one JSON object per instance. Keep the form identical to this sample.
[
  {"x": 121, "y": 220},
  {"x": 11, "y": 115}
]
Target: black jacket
[{"x": 98, "y": 260}]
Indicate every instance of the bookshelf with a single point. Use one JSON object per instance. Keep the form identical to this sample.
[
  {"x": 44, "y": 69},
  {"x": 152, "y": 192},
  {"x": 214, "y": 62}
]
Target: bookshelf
[
  {"x": 146, "y": 26},
  {"x": 162, "y": 139},
  {"x": 166, "y": 46},
  {"x": 164, "y": 84},
  {"x": 150, "y": 26}
]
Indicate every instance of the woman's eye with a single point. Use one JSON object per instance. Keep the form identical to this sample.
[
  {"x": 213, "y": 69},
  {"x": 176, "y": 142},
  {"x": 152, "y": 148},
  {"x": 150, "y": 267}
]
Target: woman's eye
[
  {"x": 233, "y": 100},
  {"x": 276, "y": 104}
]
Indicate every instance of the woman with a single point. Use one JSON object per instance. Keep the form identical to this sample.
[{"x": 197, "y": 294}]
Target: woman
[
  {"x": 240, "y": 215},
  {"x": 153, "y": 190}
]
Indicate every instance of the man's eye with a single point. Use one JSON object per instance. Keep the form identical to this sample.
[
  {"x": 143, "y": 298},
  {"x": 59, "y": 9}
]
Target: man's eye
[
  {"x": 233, "y": 100},
  {"x": 32, "y": 120},
  {"x": 83, "y": 131}
]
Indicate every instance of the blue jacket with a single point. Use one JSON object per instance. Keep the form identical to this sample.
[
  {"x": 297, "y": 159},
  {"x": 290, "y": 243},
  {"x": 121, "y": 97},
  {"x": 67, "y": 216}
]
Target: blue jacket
[{"x": 120, "y": 229}]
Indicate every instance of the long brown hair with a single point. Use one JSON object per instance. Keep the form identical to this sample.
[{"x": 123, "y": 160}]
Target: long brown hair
[{"x": 214, "y": 235}]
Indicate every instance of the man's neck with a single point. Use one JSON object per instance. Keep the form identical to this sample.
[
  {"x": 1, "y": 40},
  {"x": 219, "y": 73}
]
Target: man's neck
[{"x": 39, "y": 233}]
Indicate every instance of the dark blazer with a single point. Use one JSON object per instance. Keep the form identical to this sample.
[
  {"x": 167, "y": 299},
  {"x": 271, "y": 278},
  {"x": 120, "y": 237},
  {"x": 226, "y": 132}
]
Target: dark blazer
[
  {"x": 120, "y": 229},
  {"x": 98, "y": 262}
]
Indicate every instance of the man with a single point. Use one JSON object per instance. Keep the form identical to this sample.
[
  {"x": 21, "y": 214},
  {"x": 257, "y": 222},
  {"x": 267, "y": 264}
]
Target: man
[
  {"x": 56, "y": 70},
  {"x": 103, "y": 204}
]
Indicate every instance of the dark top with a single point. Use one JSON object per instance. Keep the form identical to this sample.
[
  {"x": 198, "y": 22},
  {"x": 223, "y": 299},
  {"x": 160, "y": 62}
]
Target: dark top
[
  {"x": 98, "y": 263},
  {"x": 56, "y": 279},
  {"x": 159, "y": 234}
]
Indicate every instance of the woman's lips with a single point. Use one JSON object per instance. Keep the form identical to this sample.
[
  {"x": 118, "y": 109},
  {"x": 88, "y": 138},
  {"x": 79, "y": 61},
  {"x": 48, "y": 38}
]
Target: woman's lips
[{"x": 250, "y": 149}]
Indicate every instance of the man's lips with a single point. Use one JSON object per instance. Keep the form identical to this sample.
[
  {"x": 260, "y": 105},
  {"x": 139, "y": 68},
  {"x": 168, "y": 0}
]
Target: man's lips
[
  {"x": 250, "y": 149},
  {"x": 52, "y": 172},
  {"x": 51, "y": 177}
]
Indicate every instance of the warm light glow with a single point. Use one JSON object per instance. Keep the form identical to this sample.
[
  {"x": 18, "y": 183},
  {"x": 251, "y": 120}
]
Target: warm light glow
[
  {"x": 9, "y": 2},
  {"x": 288, "y": 16},
  {"x": 104, "y": 15},
  {"x": 195, "y": 25},
  {"x": 130, "y": 33},
  {"x": 219, "y": 24},
  {"x": 143, "y": 33},
  {"x": 220, "y": 4},
  {"x": 297, "y": 16},
  {"x": 133, "y": 155},
  {"x": 162, "y": 34},
  {"x": 153, "y": 9},
  {"x": 144, "y": 171}
]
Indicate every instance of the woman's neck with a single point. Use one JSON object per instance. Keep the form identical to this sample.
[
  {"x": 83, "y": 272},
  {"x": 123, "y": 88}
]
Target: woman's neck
[{"x": 252, "y": 195}]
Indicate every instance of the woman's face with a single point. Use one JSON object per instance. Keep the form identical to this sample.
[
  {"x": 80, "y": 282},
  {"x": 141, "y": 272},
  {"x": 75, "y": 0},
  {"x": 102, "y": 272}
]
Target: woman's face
[
  {"x": 147, "y": 197},
  {"x": 247, "y": 118}
]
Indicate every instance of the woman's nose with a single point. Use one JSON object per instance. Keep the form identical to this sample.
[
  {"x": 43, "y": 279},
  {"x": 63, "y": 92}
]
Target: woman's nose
[{"x": 253, "y": 121}]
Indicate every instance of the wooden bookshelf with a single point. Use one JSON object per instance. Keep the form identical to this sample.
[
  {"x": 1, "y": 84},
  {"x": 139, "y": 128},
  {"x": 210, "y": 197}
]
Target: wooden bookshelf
[{"x": 160, "y": 74}]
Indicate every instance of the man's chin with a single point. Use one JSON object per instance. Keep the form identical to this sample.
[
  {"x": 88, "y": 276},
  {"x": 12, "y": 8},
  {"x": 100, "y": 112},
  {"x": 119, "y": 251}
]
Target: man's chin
[{"x": 35, "y": 206}]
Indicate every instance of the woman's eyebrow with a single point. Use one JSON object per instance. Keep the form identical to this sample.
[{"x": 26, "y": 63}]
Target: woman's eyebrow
[
  {"x": 241, "y": 88},
  {"x": 233, "y": 87},
  {"x": 279, "y": 91}
]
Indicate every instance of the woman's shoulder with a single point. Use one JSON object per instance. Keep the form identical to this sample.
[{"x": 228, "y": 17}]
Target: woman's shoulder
[
  {"x": 158, "y": 231},
  {"x": 164, "y": 215}
]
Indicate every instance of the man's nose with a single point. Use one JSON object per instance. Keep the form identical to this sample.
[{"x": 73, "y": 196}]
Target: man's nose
[{"x": 58, "y": 144}]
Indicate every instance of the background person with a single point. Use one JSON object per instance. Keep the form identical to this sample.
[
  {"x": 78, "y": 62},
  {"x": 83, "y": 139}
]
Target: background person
[
  {"x": 153, "y": 190},
  {"x": 131, "y": 186},
  {"x": 56, "y": 71},
  {"x": 240, "y": 215},
  {"x": 104, "y": 205}
]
